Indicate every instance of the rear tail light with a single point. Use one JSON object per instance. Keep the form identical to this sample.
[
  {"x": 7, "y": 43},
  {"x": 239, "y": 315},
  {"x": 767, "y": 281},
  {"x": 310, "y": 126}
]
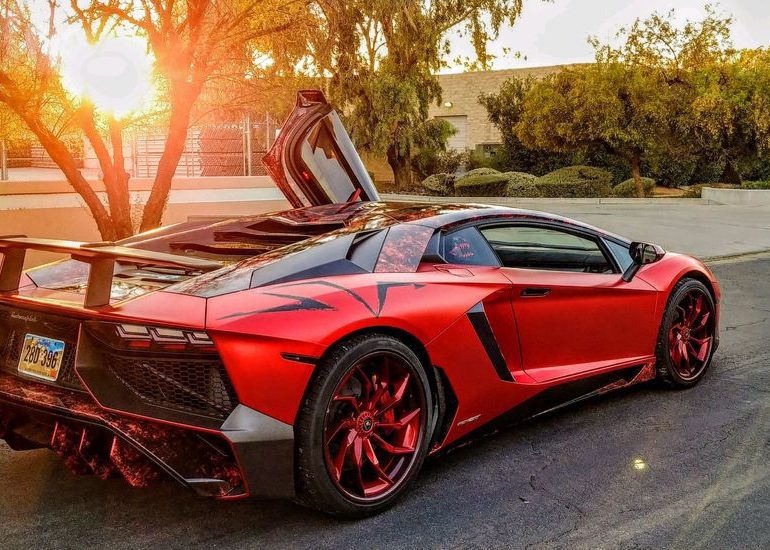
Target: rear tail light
[{"x": 150, "y": 338}]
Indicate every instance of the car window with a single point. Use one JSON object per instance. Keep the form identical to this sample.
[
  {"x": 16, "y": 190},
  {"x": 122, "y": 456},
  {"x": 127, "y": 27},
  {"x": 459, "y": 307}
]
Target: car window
[
  {"x": 621, "y": 253},
  {"x": 533, "y": 247},
  {"x": 467, "y": 247}
]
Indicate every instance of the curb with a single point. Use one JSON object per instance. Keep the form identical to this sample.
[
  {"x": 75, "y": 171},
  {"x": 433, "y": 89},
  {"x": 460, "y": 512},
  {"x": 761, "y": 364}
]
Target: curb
[
  {"x": 734, "y": 258},
  {"x": 508, "y": 201}
]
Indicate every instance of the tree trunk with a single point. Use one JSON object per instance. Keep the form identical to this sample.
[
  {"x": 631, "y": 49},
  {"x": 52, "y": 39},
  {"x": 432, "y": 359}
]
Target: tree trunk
[
  {"x": 63, "y": 158},
  {"x": 401, "y": 166},
  {"x": 114, "y": 175},
  {"x": 636, "y": 173},
  {"x": 730, "y": 174},
  {"x": 169, "y": 160}
]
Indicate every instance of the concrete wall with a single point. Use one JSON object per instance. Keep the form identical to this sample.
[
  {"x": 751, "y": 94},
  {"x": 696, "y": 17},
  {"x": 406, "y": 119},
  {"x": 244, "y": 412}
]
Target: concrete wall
[
  {"x": 53, "y": 210},
  {"x": 737, "y": 196}
]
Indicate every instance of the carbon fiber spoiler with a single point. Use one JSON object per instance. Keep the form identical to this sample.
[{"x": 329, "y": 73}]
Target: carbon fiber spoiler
[{"x": 101, "y": 257}]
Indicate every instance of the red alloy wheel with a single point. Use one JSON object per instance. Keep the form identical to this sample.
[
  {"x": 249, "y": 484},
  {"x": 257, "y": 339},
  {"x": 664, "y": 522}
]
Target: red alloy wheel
[
  {"x": 373, "y": 426},
  {"x": 691, "y": 335}
]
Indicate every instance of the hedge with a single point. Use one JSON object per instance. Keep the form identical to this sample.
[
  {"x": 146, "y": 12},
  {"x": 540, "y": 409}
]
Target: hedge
[
  {"x": 521, "y": 184},
  {"x": 576, "y": 181},
  {"x": 484, "y": 185},
  {"x": 755, "y": 185},
  {"x": 481, "y": 172},
  {"x": 440, "y": 184},
  {"x": 628, "y": 188}
]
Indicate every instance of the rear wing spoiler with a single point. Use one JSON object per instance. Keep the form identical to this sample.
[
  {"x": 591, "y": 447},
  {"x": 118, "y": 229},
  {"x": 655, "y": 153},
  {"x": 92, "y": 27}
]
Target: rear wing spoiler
[{"x": 101, "y": 258}]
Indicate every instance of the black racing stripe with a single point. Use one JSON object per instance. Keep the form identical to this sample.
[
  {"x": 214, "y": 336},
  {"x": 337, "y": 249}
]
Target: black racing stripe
[{"x": 478, "y": 319}]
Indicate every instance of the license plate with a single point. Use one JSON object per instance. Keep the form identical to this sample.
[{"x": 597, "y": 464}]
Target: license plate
[{"x": 41, "y": 357}]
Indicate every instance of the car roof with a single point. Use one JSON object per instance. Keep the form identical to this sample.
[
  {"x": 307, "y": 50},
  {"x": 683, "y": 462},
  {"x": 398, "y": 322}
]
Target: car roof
[{"x": 435, "y": 214}]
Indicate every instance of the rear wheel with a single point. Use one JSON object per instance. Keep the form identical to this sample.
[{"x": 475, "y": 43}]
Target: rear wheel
[
  {"x": 362, "y": 431},
  {"x": 686, "y": 338}
]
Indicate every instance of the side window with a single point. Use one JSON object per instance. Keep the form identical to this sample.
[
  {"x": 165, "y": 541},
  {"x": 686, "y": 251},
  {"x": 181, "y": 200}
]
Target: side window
[
  {"x": 621, "y": 253},
  {"x": 467, "y": 247},
  {"x": 533, "y": 247}
]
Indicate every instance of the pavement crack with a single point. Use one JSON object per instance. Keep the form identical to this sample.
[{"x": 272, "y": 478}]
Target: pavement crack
[{"x": 741, "y": 325}]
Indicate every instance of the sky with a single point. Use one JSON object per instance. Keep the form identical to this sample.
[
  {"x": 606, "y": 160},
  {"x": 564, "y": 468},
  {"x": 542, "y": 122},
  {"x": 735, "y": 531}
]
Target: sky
[{"x": 555, "y": 33}]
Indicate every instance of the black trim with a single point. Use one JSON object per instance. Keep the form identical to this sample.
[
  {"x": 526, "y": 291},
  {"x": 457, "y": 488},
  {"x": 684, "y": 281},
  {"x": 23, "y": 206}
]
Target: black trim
[
  {"x": 174, "y": 469},
  {"x": 297, "y": 358},
  {"x": 535, "y": 292},
  {"x": 265, "y": 447},
  {"x": 587, "y": 233},
  {"x": 549, "y": 400},
  {"x": 567, "y": 393},
  {"x": 480, "y": 322},
  {"x": 111, "y": 393}
]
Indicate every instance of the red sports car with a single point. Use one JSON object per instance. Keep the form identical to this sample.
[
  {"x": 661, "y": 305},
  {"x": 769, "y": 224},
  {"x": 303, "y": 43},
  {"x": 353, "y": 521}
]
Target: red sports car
[{"x": 322, "y": 353}]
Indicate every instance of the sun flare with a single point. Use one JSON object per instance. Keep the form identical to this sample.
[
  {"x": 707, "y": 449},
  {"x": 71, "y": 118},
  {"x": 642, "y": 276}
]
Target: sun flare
[{"x": 115, "y": 74}]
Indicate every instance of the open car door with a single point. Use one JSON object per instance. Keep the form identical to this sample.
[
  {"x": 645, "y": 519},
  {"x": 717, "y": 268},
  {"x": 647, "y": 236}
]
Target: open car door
[{"x": 313, "y": 161}]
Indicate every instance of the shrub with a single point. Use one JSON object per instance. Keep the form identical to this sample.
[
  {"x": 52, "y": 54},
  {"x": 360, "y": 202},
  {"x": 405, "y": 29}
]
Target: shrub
[
  {"x": 483, "y": 159},
  {"x": 428, "y": 162},
  {"x": 628, "y": 188},
  {"x": 576, "y": 181},
  {"x": 521, "y": 184},
  {"x": 755, "y": 185},
  {"x": 481, "y": 185},
  {"x": 577, "y": 174},
  {"x": 693, "y": 192},
  {"x": 519, "y": 177},
  {"x": 439, "y": 184},
  {"x": 484, "y": 171}
]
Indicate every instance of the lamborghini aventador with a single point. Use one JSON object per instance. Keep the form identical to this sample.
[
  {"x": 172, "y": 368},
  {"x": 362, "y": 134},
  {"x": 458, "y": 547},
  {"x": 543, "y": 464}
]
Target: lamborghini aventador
[{"x": 323, "y": 352}]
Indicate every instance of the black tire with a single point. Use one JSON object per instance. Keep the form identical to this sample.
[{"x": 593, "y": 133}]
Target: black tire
[
  {"x": 670, "y": 372},
  {"x": 316, "y": 487}
]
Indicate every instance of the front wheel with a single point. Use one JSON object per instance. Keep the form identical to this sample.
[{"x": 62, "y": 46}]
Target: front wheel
[
  {"x": 687, "y": 335},
  {"x": 362, "y": 432}
]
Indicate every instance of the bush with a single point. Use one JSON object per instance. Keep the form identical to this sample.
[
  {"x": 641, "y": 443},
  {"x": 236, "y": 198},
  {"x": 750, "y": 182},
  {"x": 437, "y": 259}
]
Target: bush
[
  {"x": 521, "y": 184},
  {"x": 673, "y": 169},
  {"x": 614, "y": 164},
  {"x": 440, "y": 184},
  {"x": 429, "y": 162},
  {"x": 693, "y": 192},
  {"x": 481, "y": 159},
  {"x": 577, "y": 174},
  {"x": 484, "y": 171},
  {"x": 519, "y": 177},
  {"x": 628, "y": 188},
  {"x": 755, "y": 185},
  {"x": 481, "y": 185},
  {"x": 576, "y": 181}
]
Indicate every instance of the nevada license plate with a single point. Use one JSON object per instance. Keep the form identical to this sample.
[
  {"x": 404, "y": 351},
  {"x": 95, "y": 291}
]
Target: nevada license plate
[{"x": 41, "y": 357}]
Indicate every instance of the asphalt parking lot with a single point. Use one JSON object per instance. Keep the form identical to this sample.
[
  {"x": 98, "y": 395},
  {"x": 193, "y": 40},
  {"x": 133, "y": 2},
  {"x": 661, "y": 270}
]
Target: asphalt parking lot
[{"x": 640, "y": 468}]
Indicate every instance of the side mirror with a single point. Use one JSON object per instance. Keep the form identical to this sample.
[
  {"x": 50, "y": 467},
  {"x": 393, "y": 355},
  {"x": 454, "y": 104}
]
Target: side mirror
[{"x": 642, "y": 254}]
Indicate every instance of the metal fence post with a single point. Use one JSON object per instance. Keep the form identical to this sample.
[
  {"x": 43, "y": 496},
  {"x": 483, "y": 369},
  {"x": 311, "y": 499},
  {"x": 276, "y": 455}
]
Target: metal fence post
[
  {"x": 267, "y": 131},
  {"x": 243, "y": 148},
  {"x": 3, "y": 161},
  {"x": 248, "y": 144}
]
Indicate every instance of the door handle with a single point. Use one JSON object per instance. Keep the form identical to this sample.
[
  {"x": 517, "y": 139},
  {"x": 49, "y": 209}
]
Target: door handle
[{"x": 535, "y": 292}]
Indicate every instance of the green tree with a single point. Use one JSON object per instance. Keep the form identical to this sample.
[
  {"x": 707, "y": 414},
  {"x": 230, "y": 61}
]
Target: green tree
[
  {"x": 644, "y": 99},
  {"x": 504, "y": 109},
  {"x": 382, "y": 57},
  {"x": 609, "y": 107}
]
